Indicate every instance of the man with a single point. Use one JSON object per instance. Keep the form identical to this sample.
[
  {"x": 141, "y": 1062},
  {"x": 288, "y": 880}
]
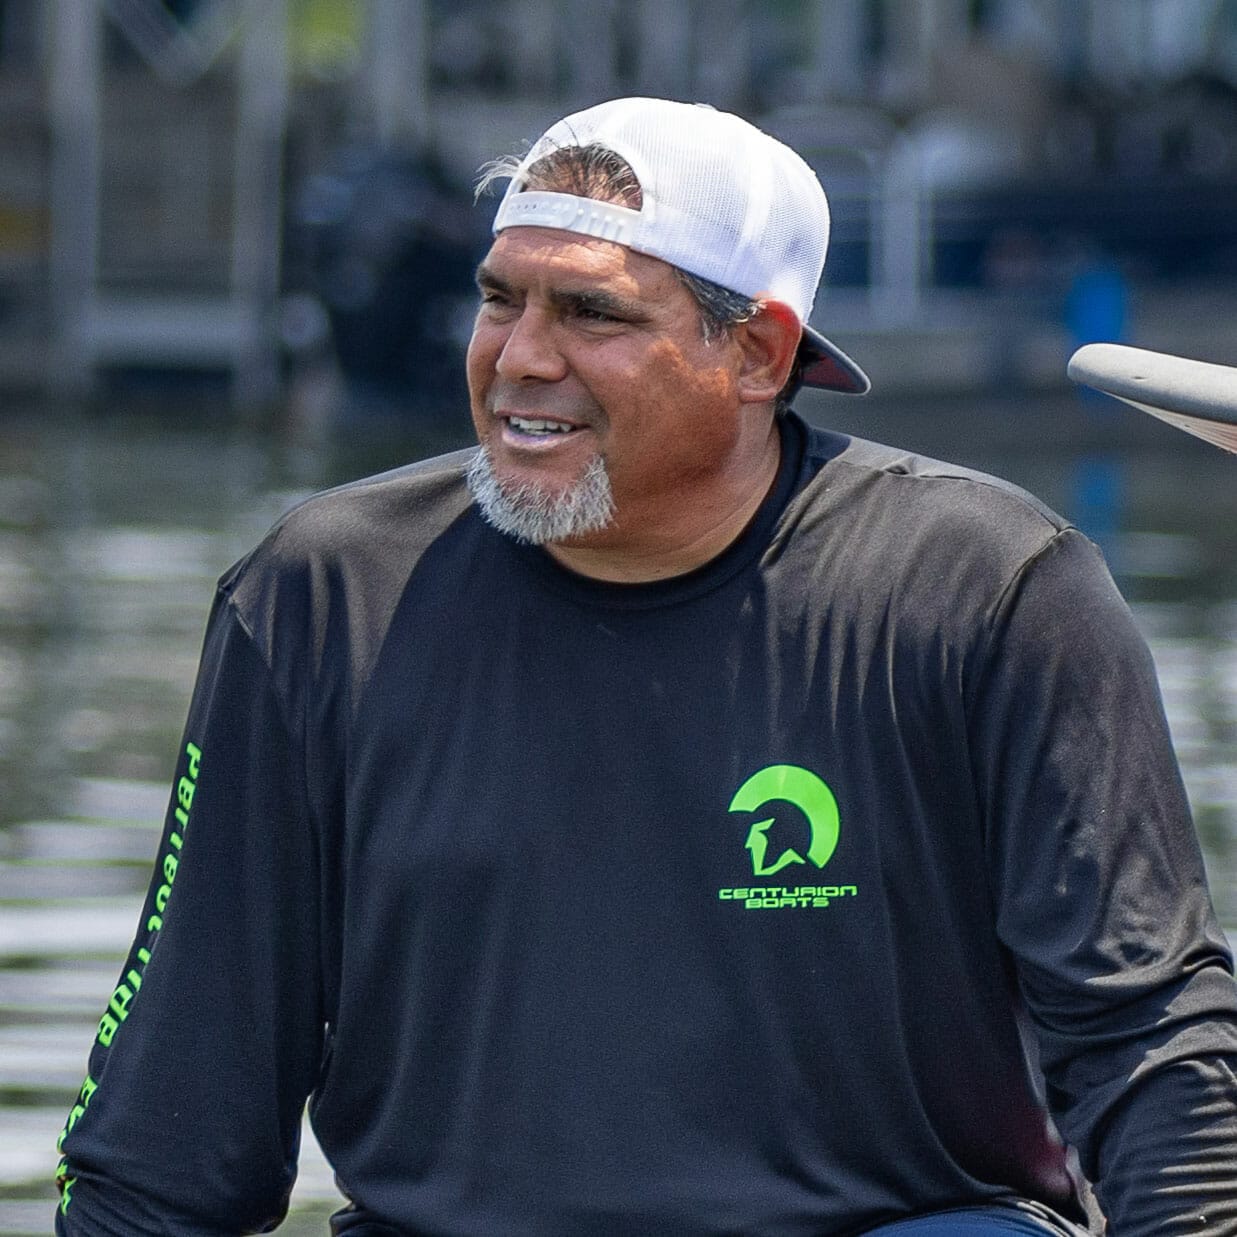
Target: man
[{"x": 668, "y": 818}]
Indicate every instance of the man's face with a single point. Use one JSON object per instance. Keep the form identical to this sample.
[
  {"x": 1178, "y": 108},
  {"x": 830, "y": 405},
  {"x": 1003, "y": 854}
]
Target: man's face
[{"x": 586, "y": 354}]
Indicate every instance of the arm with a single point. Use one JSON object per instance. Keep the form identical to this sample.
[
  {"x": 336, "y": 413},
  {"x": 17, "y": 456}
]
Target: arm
[
  {"x": 189, "y": 1119},
  {"x": 1192, "y": 1104},
  {"x": 1101, "y": 898}
]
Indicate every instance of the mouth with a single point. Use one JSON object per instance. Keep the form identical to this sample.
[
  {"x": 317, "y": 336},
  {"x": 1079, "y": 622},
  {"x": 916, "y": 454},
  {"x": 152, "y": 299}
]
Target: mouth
[{"x": 536, "y": 429}]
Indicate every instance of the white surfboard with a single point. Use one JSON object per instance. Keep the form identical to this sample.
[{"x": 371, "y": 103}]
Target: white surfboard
[{"x": 1197, "y": 396}]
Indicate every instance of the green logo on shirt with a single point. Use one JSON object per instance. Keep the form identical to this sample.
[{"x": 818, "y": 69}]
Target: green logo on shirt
[{"x": 802, "y": 789}]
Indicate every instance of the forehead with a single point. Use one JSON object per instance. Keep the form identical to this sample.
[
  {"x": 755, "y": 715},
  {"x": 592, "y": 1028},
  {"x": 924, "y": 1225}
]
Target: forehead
[{"x": 530, "y": 257}]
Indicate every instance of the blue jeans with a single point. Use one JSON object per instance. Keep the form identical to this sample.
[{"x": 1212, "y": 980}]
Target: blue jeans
[{"x": 980, "y": 1222}]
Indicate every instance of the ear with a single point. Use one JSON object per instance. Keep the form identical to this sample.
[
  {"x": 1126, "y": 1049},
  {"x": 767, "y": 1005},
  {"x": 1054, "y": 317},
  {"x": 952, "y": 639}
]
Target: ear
[{"x": 768, "y": 342}]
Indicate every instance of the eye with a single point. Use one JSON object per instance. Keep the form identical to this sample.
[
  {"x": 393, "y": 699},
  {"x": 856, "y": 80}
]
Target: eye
[
  {"x": 494, "y": 301},
  {"x": 598, "y": 311},
  {"x": 591, "y": 313}
]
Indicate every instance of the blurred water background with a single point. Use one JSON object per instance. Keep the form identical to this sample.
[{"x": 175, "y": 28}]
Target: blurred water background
[{"x": 235, "y": 252}]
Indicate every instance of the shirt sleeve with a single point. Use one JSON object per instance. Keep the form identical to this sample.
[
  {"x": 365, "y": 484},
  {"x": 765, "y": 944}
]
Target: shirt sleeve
[
  {"x": 189, "y": 1119},
  {"x": 1101, "y": 897}
]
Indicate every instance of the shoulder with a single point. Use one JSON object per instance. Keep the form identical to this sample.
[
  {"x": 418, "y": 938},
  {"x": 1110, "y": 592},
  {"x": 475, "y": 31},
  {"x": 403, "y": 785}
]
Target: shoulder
[
  {"x": 938, "y": 550},
  {"x": 927, "y": 486},
  {"x": 910, "y": 508},
  {"x": 362, "y": 540},
  {"x": 407, "y": 504},
  {"x": 409, "y": 501}
]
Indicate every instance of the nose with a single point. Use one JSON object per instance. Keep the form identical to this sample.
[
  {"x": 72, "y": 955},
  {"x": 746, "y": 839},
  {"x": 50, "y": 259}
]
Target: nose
[{"x": 529, "y": 352}]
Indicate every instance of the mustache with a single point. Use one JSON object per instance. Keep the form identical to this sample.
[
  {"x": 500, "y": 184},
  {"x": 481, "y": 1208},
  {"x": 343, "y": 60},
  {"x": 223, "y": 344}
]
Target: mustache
[{"x": 506, "y": 398}]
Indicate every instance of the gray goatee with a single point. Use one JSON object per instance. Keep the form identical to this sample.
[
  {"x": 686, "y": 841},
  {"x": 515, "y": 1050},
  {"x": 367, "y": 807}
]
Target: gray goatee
[{"x": 532, "y": 515}]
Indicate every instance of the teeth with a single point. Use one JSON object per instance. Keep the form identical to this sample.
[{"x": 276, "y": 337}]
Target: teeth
[{"x": 529, "y": 425}]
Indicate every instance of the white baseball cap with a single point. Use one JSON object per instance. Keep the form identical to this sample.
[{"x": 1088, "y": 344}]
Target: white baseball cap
[{"x": 720, "y": 199}]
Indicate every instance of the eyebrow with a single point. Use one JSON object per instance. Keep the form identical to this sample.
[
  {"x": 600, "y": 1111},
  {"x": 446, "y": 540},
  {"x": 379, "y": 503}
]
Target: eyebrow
[
  {"x": 594, "y": 300},
  {"x": 485, "y": 279}
]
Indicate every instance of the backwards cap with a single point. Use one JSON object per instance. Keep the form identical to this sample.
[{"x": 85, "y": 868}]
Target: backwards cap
[{"x": 720, "y": 199}]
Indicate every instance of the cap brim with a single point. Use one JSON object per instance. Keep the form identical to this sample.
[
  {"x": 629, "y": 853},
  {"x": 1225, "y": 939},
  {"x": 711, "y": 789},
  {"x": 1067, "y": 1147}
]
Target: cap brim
[{"x": 827, "y": 367}]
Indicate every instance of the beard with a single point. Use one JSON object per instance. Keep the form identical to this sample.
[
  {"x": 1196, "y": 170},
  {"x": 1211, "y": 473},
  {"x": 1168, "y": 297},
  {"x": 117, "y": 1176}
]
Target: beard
[{"x": 535, "y": 517}]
